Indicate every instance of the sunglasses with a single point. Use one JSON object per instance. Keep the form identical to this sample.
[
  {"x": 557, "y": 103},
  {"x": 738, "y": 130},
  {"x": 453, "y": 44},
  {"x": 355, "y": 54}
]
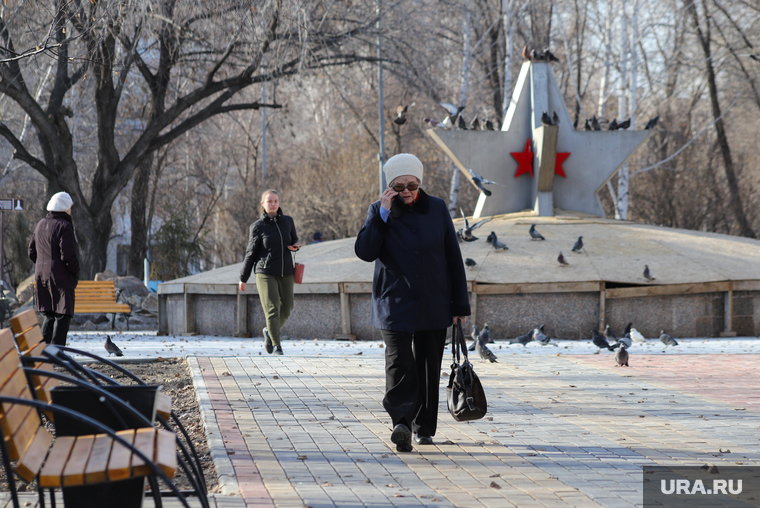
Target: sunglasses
[{"x": 399, "y": 187}]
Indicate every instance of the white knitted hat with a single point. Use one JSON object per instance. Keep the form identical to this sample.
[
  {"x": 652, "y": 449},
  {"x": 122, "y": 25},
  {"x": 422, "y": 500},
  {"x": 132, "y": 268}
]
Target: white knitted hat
[
  {"x": 402, "y": 164},
  {"x": 60, "y": 202}
]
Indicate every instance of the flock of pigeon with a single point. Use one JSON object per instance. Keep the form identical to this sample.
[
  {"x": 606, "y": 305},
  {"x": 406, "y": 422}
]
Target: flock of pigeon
[
  {"x": 609, "y": 341},
  {"x": 465, "y": 235}
]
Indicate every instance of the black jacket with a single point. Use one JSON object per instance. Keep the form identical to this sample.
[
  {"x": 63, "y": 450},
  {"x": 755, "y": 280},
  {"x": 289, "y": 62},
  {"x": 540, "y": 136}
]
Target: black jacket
[
  {"x": 53, "y": 249},
  {"x": 267, "y": 250},
  {"x": 419, "y": 281}
]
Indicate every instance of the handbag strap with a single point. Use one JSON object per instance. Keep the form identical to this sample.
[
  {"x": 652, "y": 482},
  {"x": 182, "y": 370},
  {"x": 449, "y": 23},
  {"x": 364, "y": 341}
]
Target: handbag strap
[{"x": 458, "y": 343}]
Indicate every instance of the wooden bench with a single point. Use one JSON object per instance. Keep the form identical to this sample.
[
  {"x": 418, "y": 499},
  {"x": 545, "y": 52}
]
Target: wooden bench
[
  {"x": 103, "y": 457},
  {"x": 28, "y": 337},
  {"x": 98, "y": 297}
]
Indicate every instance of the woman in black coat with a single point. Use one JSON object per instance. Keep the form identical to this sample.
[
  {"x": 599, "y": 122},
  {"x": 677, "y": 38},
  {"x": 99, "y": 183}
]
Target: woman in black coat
[
  {"x": 53, "y": 250},
  {"x": 418, "y": 291}
]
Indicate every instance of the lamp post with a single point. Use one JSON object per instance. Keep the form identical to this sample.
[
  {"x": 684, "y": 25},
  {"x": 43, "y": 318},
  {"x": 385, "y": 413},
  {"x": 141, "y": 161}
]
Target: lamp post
[{"x": 381, "y": 153}]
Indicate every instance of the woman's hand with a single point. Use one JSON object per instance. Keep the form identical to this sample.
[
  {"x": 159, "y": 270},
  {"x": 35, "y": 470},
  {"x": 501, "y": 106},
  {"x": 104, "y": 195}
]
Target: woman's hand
[
  {"x": 295, "y": 246},
  {"x": 241, "y": 287},
  {"x": 460, "y": 319},
  {"x": 386, "y": 198}
]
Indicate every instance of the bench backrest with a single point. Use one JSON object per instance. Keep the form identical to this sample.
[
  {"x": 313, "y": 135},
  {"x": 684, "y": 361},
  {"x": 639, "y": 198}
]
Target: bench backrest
[
  {"x": 19, "y": 423},
  {"x": 30, "y": 343}
]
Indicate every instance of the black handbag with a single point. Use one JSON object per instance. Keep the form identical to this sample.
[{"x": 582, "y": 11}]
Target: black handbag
[{"x": 464, "y": 394}]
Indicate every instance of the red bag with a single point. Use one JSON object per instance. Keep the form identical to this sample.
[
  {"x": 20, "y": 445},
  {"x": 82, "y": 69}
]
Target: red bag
[{"x": 298, "y": 276}]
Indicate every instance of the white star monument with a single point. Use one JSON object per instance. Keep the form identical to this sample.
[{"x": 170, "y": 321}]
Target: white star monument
[{"x": 539, "y": 167}]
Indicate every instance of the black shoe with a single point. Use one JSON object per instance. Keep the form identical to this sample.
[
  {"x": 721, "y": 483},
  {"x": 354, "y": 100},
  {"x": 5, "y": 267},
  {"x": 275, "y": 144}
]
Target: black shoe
[
  {"x": 423, "y": 440},
  {"x": 267, "y": 341},
  {"x": 278, "y": 350},
  {"x": 402, "y": 438}
]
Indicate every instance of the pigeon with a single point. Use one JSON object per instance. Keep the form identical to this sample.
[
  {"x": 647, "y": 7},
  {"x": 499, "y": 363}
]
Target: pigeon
[
  {"x": 555, "y": 118},
  {"x": 546, "y": 119},
  {"x": 475, "y": 334},
  {"x": 433, "y": 123},
  {"x": 648, "y": 274},
  {"x": 600, "y": 341},
  {"x": 482, "y": 349},
  {"x": 489, "y": 125},
  {"x": 466, "y": 231},
  {"x": 624, "y": 124},
  {"x": 479, "y": 182},
  {"x": 637, "y": 336},
  {"x": 609, "y": 334},
  {"x": 535, "y": 56},
  {"x": 491, "y": 237},
  {"x": 497, "y": 245},
  {"x": 453, "y": 111},
  {"x": 470, "y": 263},
  {"x": 652, "y": 123},
  {"x": 587, "y": 126},
  {"x": 627, "y": 330},
  {"x": 526, "y": 54},
  {"x": 541, "y": 338},
  {"x": 475, "y": 124},
  {"x": 578, "y": 247},
  {"x": 447, "y": 123},
  {"x": 112, "y": 348},
  {"x": 461, "y": 125},
  {"x": 523, "y": 339},
  {"x": 667, "y": 339},
  {"x": 621, "y": 357},
  {"x": 561, "y": 260},
  {"x": 595, "y": 123},
  {"x": 753, "y": 57},
  {"x": 400, "y": 115},
  {"x": 624, "y": 342},
  {"x": 485, "y": 335},
  {"x": 548, "y": 55},
  {"x": 534, "y": 234},
  {"x": 613, "y": 126}
]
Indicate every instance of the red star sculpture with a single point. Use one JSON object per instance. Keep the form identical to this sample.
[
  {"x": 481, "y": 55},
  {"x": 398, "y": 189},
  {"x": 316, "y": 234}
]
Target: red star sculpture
[
  {"x": 561, "y": 156},
  {"x": 524, "y": 161}
]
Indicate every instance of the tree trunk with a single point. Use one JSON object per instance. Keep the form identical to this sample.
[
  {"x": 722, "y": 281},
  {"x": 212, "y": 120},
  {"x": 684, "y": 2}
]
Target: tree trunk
[
  {"x": 728, "y": 164},
  {"x": 621, "y": 206},
  {"x": 138, "y": 204},
  {"x": 508, "y": 41}
]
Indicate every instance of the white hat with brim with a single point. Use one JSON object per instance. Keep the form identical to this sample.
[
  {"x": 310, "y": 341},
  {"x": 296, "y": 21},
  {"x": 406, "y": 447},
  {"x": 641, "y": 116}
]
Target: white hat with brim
[
  {"x": 402, "y": 164},
  {"x": 60, "y": 202}
]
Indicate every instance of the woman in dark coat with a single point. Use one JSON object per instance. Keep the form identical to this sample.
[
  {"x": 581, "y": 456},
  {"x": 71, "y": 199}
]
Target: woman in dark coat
[
  {"x": 418, "y": 291},
  {"x": 53, "y": 250},
  {"x": 270, "y": 242}
]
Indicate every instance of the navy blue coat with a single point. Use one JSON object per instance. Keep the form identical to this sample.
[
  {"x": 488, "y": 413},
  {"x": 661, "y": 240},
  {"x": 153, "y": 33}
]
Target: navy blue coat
[{"x": 419, "y": 281}]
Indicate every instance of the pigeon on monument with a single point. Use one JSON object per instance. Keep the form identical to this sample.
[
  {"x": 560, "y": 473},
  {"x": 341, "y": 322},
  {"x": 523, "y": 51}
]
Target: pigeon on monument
[
  {"x": 587, "y": 126},
  {"x": 546, "y": 119},
  {"x": 461, "y": 125},
  {"x": 451, "y": 109},
  {"x": 489, "y": 125},
  {"x": 555, "y": 118},
  {"x": 621, "y": 357},
  {"x": 651, "y": 124},
  {"x": 534, "y": 234},
  {"x": 578, "y": 247},
  {"x": 112, "y": 348},
  {"x": 400, "y": 115},
  {"x": 447, "y": 122},
  {"x": 613, "y": 126},
  {"x": 599, "y": 341},
  {"x": 470, "y": 263},
  {"x": 526, "y": 54},
  {"x": 595, "y": 123},
  {"x": 466, "y": 231},
  {"x": 609, "y": 334},
  {"x": 667, "y": 339},
  {"x": 549, "y": 56},
  {"x": 483, "y": 351},
  {"x": 475, "y": 124},
  {"x": 481, "y": 182},
  {"x": 648, "y": 274},
  {"x": 561, "y": 260},
  {"x": 523, "y": 339},
  {"x": 433, "y": 123},
  {"x": 637, "y": 336},
  {"x": 624, "y": 125},
  {"x": 535, "y": 56}
]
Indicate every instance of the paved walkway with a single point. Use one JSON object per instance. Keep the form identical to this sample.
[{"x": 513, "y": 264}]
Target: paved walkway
[{"x": 562, "y": 430}]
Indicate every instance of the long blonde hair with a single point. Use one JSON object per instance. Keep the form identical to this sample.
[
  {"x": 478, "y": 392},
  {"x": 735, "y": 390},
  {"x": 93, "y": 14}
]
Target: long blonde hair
[{"x": 264, "y": 195}]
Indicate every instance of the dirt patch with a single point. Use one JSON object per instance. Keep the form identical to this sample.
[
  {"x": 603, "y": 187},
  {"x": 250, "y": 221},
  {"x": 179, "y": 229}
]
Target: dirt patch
[{"x": 174, "y": 376}]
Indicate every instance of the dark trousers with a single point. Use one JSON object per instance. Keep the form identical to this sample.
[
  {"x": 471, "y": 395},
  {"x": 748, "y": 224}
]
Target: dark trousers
[
  {"x": 55, "y": 327},
  {"x": 412, "y": 374}
]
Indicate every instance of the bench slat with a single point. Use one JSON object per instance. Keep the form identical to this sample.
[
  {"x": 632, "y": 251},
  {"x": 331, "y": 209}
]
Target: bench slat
[
  {"x": 97, "y": 466},
  {"x": 73, "y": 473},
  {"x": 166, "y": 452},
  {"x": 121, "y": 456},
  {"x": 145, "y": 441},
  {"x": 164, "y": 405},
  {"x": 23, "y": 321},
  {"x": 6, "y": 342},
  {"x": 8, "y": 364},
  {"x": 30, "y": 338},
  {"x": 50, "y": 476},
  {"x": 19, "y": 442},
  {"x": 31, "y": 461}
]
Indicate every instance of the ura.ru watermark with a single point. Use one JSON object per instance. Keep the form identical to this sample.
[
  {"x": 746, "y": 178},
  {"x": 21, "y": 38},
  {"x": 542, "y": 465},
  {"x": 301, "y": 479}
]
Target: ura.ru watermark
[{"x": 711, "y": 486}]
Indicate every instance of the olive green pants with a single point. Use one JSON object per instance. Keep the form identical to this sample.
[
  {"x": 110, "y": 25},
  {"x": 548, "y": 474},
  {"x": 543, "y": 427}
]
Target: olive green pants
[{"x": 276, "y": 297}]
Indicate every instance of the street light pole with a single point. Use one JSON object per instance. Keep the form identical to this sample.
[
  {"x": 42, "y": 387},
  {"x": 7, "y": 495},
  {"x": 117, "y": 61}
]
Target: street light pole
[{"x": 381, "y": 153}]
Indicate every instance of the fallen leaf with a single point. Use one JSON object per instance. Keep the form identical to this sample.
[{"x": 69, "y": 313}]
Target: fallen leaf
[{"x": 495, "y": 485}]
